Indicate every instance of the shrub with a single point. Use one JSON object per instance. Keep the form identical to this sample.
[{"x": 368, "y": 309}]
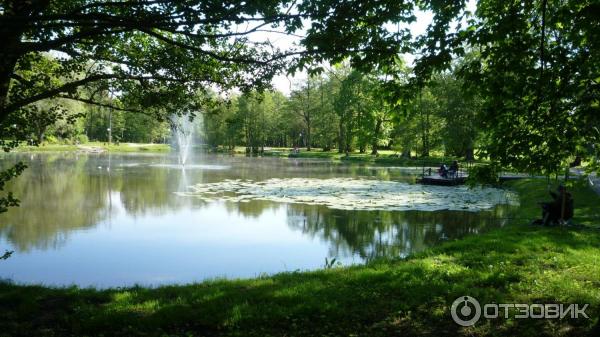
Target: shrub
[
  {"x": 484, "y": 175},
  {"x": 80, "y": 139},
  {"x": 51, "y": 139}
]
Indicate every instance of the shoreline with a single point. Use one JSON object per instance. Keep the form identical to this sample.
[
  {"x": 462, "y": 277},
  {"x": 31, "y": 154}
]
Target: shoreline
[{"x": 386, "y": 157}]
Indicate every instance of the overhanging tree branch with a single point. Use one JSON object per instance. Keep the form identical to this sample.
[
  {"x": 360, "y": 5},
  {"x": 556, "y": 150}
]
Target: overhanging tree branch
[
  {"x": 103, "y": 105},
  {"x": 71, "y": 86},
  {"x": 51, "y": 44}
]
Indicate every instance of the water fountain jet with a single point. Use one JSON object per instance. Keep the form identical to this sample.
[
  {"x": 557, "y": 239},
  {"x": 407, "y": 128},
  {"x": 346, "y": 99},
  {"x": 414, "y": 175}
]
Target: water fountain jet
[{"x": 183, "y": 129}]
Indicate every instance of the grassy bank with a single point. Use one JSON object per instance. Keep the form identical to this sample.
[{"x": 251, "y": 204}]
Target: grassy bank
[
  {"x": 96, "y": 146},
  {"x": 412, "y": 297}
]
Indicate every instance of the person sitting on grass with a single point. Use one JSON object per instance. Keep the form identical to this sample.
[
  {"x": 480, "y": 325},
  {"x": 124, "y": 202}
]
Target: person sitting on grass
[{"x": 559, "y": 210}]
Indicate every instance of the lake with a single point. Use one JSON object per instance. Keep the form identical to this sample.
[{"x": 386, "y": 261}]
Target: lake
[{"x": 110, "y": 220}]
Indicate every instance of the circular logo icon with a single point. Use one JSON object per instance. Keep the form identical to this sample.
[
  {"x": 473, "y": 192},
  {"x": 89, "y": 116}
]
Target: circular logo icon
[{"x": 465, "y": 311}]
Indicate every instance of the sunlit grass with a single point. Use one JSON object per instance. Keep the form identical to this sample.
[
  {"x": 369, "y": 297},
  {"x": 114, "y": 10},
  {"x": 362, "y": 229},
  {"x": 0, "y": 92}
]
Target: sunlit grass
[
  {"x": 94, "y": 146},
  {"x": 384, "y": 157}
]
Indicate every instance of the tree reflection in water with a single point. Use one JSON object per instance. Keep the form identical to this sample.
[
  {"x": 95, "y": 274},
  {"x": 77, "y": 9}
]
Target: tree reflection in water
[
  {"x": 53, "y": 202},
  {"x": 376, "y": 234},
  {"x": 61, "y": 193}
]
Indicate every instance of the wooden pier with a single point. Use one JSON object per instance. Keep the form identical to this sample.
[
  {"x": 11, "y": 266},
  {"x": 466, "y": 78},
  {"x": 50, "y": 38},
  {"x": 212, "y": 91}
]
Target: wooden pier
[
  {"x": 441, "y": 181},
  {"x": 457, "y": 180}
]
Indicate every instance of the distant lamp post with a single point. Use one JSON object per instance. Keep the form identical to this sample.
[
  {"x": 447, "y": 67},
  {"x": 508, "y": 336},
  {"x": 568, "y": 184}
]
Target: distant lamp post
[{"x": 110, "y": 112}]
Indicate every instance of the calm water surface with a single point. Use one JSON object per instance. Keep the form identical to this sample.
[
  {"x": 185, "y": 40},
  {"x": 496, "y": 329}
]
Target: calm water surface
[{"x": 114, "y": 220}]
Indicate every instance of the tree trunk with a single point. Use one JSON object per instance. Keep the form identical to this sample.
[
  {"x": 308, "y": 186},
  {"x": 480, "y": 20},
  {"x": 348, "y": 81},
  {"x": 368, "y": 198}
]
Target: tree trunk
[
  {"x": 7, "y": 65},
  {"x": 40, "y": 136},
  {"x": 375, "y": 145},
  {"x": 248, "y": 138},
  {"x": 469, "y": 154},
  {"x": 424, "y": 128},
  {"x": 8, "y": 60},
  {"x": 308, "y": 138},
  {"x": 341, "y": 136},
  {"x": 425, "y": 143},
  {"x": 11, "y": 35},
  {"x": 348, "y": 141}
]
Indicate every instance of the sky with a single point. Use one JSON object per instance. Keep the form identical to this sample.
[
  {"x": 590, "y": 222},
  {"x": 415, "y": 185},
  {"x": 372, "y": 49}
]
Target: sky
[{"x": 285, "y": 83}]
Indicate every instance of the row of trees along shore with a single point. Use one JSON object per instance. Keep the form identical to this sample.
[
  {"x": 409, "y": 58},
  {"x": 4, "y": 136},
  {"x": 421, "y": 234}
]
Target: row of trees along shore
[
  {"x": 345, "y": 110},
  {"x": 341, "y": 109}
]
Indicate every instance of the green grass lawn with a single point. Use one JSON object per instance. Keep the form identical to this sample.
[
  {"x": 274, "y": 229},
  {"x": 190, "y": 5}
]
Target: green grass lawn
[
  {"x": 122, "y": 147},
  {"x": 514, "y": 264}
]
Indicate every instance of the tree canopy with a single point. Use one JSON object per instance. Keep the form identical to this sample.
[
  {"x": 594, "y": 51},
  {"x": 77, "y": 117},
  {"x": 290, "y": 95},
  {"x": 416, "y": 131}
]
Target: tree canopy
[
  {"x": 527, "y": 73},
  {"x": 532, "y": 63},
  {"x": 156, "y": 47}
]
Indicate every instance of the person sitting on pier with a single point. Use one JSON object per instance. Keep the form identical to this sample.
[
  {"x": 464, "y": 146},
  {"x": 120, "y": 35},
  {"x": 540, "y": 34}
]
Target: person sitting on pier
[
  {"x": 559, "y": 210},
  {"x": 443, "y": 171},
  {"x": 453, "y": 171}
]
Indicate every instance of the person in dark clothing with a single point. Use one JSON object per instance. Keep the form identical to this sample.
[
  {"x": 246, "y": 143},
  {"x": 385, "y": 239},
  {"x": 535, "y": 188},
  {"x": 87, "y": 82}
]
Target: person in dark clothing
[
  {"x": 443, "y": 171},
  {"x": 453, "y": 171},
  {"x": 559, "y": 209}
]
